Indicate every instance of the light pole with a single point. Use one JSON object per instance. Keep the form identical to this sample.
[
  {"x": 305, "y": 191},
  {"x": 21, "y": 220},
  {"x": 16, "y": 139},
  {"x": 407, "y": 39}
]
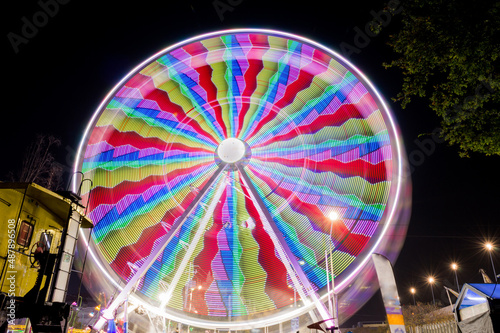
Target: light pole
[
  {"x": 490, "y": 248},
  {"x": 333, "y": 216},
  {"x": 413, "y": 291},
  {"x": 294, "y": 296},
  {"x": 454, "y": 267},
  {"x": 431, "y": 282}
]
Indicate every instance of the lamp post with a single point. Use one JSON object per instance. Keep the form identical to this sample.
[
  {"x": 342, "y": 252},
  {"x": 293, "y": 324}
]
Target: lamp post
[
  {"x": 333, "y": 216},
  {"x": 413, "y": 291},
  {"x": 490, "y": 248},
  {"x": 431, "y": 282},
  {"x": 294, "y": 296},
  {"x": 454, "y": 267}
]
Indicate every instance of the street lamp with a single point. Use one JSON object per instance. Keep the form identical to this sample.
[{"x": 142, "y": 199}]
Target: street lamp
[
  {"x": 490, "y": 248},
  {"x": 454, "y": 267},
  {"x": 431, "y": 282},
  {"x": 413, "y": 291}
]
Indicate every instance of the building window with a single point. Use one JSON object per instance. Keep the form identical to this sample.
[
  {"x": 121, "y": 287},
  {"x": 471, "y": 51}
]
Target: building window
[{"x": 25, "y": 233}]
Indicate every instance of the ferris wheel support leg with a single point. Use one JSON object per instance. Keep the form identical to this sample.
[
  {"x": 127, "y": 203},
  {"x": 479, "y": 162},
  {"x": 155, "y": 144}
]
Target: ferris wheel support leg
[
  {"x": 131, "y": 284},
  {"x": 192, "y": 246},
  {"x": 292, "y": 265}
]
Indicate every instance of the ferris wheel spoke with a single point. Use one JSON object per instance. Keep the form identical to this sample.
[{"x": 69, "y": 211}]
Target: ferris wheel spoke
[
  {"x": 132, "y": 282},
  {"x": 198, "y": 235},
  {"x": 300, "y": 280}
]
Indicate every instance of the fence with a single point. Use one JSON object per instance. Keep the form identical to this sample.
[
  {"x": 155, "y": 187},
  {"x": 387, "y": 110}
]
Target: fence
[{"x": 445, "y": 327}]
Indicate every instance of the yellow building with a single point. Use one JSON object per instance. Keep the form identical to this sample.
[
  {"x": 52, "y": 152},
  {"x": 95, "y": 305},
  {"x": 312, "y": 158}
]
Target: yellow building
[{"x": 37, "y": 245}]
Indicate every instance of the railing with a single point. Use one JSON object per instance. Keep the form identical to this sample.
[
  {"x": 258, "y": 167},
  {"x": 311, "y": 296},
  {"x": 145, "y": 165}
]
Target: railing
[{"x": 444, "y": 327}]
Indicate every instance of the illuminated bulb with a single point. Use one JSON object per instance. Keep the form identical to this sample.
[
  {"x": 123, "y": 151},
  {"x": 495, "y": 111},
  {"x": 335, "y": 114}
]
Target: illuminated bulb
[
  {"x": 333, "y": 215},
  {"x": 454, "y": 266},
  {"x": 488, "y": 246}
]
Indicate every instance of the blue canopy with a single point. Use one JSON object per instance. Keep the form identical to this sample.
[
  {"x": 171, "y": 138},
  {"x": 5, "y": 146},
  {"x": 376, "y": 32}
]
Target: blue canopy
[
  {"x": 490, "y": 290},
  {"x": 476, "y": 293}
]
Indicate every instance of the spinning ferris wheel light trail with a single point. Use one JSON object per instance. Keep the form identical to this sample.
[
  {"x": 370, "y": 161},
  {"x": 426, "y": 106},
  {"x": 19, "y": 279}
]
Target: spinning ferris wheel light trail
[{"x": 241, "y": 127}]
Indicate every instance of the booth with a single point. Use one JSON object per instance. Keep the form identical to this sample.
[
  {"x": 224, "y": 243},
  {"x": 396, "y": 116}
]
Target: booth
[{"x": 478, "y": 308}]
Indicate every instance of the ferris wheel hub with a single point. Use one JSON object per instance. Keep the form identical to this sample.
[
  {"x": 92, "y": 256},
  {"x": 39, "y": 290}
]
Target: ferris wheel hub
[{"x": 232, "y": 150}]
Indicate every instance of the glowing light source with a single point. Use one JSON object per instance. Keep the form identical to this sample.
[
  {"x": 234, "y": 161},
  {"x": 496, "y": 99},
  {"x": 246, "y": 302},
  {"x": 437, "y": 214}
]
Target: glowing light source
[
  {"x": 454, "y": 267},
  {"x": 231, "y": 150},
  {"x": 489, "y": 246},
  {"x": 333, "y": 215},
  {"x": 413, "y": 291},
  {"x": 431, "y": 281}
]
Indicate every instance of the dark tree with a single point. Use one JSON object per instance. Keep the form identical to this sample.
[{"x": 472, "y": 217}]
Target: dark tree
[
  {"x": 39, "y": 165},
  {"x": 449, "y": 55},
  {"x": 425, "y": 313}
]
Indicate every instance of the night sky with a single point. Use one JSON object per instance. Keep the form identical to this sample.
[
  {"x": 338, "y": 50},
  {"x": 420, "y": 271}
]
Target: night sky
[{"x": 63, "y": 69}]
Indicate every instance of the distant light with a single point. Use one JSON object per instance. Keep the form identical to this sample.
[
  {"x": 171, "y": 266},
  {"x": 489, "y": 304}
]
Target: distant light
[
  {"x": 333, "y": 215},
  {"x": 302, "y": 262},
  {"x": 412, "y": 290},
  {"x": 431, "y": 279},
  {"x": 488, "y": 246},
  {"x": 199, "y": 287},
  {"x": 454, "y": 266},
  {"x": 91, "y": 314}
]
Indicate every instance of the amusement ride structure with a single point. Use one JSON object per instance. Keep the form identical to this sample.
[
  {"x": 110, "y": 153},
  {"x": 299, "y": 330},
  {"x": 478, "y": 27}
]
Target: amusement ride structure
[{"x": 242, "y": 179}]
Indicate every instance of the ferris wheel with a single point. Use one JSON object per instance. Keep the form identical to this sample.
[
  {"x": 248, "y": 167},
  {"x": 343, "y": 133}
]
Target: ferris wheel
[{"x": 234, "y": 171}]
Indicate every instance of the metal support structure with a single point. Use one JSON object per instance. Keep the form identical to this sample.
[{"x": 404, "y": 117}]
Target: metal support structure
[
  {"x": 159, "y": 250},
  {"x": 493, "y": 266},
  {"x": 192, "y": 246},
  {"x": 456, "y": 280},
  {"x": 292, "y": 265},
  {"x": 125, "y": 316}
]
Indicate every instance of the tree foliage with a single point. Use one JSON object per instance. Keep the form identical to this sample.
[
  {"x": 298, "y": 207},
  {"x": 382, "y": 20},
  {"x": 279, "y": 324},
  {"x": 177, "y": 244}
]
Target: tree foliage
[{"x": 448, "y": 52}]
